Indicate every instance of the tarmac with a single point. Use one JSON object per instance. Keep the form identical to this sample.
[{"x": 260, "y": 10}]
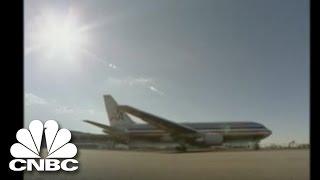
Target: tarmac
[{"x": 221, "y": 165}]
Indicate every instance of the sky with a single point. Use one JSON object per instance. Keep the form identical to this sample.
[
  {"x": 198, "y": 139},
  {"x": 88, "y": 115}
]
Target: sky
[{"x": 185, "y": 60}]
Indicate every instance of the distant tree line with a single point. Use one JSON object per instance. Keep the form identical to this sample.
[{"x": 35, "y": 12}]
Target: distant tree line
[{"x": 290, "y": 145}]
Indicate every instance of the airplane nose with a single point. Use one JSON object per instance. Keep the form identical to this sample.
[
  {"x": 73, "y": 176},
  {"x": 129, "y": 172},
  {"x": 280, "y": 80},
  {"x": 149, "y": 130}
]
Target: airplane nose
[{"x": 268, "y": 132}]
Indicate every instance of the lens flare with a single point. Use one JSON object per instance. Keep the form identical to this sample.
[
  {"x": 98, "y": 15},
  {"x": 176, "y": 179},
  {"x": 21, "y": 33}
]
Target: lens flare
[{"x": 60, "y": 36}]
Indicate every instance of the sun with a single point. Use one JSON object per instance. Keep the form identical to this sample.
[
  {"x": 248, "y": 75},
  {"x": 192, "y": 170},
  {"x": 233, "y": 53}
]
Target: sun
[
  {"x": 60, "y": 36},
  {"x": 62, "y": 40}
]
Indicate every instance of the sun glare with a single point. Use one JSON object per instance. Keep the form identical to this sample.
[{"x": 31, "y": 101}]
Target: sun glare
[{"x": 60, "y": 36}]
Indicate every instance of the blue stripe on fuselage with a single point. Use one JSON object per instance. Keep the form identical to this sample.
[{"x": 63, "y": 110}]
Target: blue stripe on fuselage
[{"x": 205, "y": 126}]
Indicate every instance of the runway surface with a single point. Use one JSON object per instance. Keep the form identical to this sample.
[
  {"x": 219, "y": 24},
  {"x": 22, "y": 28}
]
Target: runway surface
[{"x": 255, "y": 165}]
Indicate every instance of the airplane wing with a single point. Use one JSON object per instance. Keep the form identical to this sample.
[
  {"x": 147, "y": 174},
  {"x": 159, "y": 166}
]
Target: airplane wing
[
  {"x": 89, "y": 140},
  {"x": 117, "y": 134},
  {"x": 171, "y": 127},
  {"x": 97, "y": 124},
  {"x": 84, "y": 137}
]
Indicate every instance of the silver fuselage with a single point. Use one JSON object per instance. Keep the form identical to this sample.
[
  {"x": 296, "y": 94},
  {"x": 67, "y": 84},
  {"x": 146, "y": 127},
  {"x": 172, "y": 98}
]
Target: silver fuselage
[{"x": 233, "y": 132}]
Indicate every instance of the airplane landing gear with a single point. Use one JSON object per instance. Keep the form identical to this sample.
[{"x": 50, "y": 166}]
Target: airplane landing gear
[
  {"x": 181, "y": 148},
  {"x": 254, "y": 146}
]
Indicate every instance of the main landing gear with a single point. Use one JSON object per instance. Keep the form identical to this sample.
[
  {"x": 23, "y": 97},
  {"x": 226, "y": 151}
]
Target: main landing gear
[{"x": 181, "y": 148}]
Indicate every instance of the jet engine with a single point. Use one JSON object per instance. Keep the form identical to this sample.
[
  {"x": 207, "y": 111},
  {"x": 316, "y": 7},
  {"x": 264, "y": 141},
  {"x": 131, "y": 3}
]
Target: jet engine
[{"x": 210, "y": 139}]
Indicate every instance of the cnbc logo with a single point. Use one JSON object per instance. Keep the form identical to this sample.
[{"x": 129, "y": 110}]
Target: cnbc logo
[{"x": 59, "y": 150}]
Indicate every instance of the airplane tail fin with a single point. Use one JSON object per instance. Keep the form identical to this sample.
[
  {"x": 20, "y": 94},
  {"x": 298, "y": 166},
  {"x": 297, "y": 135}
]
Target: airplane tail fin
[{"x": 116, "y": 118}]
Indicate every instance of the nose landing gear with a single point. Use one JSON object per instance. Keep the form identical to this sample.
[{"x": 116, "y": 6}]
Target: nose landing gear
[{"x": 254, "y": 146}]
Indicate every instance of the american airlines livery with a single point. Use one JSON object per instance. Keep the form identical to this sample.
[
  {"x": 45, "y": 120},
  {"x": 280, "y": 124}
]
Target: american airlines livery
[{"x": 159, "y": 131}]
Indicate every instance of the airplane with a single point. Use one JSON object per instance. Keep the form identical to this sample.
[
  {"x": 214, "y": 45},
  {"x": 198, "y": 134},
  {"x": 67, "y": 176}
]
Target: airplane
[{"x": 158, "y": 131}]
